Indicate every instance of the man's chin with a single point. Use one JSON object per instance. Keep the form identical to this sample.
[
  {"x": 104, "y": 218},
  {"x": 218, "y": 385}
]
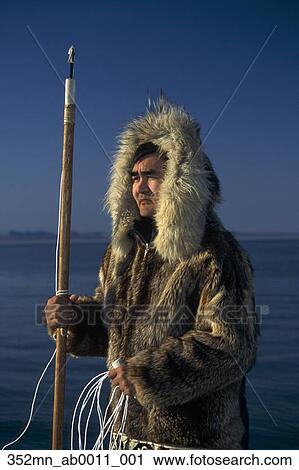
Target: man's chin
[{"x": 146, "y": 212}]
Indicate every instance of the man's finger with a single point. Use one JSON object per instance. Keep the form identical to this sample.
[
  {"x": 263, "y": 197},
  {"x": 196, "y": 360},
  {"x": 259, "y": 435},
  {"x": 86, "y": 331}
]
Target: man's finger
[
  {"x": 112, "y": 373},
  {"x": 116, "y": 382},
  {"x": 58, "y": 299},
  {"x": 52, "y": 300},
  {"x": 74, "y": 297}
]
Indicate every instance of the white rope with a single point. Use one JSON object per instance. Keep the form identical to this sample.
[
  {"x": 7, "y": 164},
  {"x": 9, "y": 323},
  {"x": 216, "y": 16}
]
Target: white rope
[
  {"x": 33, "y": 403},
  {"x": 77, "y": 405},
  {"x": 89, "y": 396},
  {"x": 113, "y": 418},
  {"x": 121, "y": 428},
  {"x": 99, "y": 411},
  {"x": 100, "y": 440},
  {"x": 123, "y": 423},
  {"x": 108, "y": 425},
  {"x": 88, "y": 417}
]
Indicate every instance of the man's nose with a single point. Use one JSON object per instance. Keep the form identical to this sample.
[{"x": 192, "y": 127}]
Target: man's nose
[{"x": 142, "y": 185}]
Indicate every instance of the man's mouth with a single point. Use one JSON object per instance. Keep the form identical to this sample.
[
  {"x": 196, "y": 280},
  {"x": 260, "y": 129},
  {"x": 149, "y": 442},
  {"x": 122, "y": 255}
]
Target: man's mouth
[{"x": 146, "y": 201}]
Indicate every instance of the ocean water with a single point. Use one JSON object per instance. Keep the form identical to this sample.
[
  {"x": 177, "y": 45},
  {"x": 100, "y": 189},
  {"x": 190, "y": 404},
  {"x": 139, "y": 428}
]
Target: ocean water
[{"x": 27, "y": 280}]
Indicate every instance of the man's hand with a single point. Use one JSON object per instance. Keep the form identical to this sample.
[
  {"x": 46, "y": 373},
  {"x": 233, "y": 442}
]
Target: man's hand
[
  {"x": 118, "y": 377},
  {"x": 60, "y": 312}
]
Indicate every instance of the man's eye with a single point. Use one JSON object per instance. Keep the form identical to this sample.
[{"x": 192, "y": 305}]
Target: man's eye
[{"x": 135, "y": 178}]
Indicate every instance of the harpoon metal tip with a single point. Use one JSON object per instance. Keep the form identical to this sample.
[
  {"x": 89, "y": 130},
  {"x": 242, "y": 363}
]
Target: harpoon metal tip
[{"x": 71, "y": 55}]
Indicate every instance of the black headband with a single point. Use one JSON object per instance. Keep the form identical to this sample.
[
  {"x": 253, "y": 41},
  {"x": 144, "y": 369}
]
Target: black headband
[{"x": 145, "y": 149}]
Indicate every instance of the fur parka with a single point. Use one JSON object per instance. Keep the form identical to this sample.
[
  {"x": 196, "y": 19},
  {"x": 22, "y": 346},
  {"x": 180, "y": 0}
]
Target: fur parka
[{"x": 180, "y": 312}]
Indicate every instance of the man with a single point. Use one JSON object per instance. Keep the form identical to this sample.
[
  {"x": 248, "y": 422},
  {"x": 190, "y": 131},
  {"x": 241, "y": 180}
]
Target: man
[{"x": 175, "y": 300}]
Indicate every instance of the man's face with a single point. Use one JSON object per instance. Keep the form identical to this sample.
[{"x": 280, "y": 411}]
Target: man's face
[{"x": 147, "y": 176}]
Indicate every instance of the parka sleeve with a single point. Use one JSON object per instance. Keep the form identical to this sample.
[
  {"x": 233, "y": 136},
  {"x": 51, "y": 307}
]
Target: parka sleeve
[
  {"x": 89, "y": 336},
  {"x": 217, "y": 351}
]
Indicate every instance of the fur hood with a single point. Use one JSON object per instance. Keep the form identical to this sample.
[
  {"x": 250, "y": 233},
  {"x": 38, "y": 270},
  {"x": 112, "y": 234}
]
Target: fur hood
[{"x": 189, "y": 190}]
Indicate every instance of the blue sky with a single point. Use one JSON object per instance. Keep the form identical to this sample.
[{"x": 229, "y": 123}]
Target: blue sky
[{"x": 198, "y": 52}]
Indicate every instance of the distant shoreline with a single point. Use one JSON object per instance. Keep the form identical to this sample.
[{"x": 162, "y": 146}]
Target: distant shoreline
[
  {"x": 47, "y": 238},
  {"x": 267, "y": 236},
  {"x": 39, "y": 237},
  {"x": 82, "y": 241}
]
